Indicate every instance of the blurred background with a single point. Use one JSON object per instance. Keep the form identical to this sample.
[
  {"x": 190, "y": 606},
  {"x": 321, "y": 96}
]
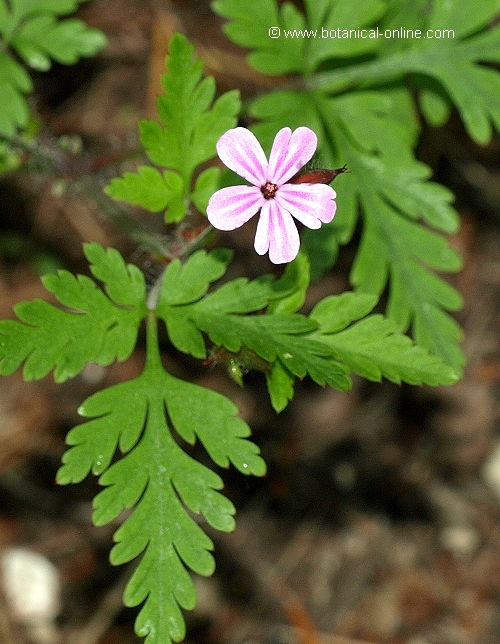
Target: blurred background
[{"x": 379, "y": 519}]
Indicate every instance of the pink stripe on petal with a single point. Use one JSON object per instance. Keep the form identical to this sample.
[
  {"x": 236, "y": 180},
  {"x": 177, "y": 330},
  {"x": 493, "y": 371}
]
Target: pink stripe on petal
[
  {"x": 291, "y": 151},
  {"x": 261, "y": 243},
  {"x": 309, "y": 203},
  {"x": 231, "y": 207},
  {"x": 284, "y": 241},
  {"x": 305, "y": 218},
  {"x": 278, "y": 153},
  {"x": 240, "y": 151}
]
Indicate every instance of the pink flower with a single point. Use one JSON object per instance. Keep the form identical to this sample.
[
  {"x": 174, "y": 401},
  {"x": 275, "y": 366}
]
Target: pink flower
[{"x": 277, "y": 200}]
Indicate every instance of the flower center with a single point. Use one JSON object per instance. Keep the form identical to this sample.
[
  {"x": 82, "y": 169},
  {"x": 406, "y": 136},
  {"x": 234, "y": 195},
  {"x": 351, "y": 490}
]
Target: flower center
[{"x": 269, "y": 190}]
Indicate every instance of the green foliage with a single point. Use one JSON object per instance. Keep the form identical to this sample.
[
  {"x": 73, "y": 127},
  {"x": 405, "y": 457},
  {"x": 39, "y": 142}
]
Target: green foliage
[
  {"x": 141, "y": 437},
  {"x": 193, "y": 123},
  {"x": 293, "y": 345},
  {"x": 296, "y": 277},
  {"x": 251, "y": 22},
  {"x": 373, "y": 348},
  {"x": 32, "y": 30},
  {"x": 138, "y": 417},
  {"x": 97, "y": 327},
  {"x": 354, "y": 93},
  {"x": 132, "y": 424}
]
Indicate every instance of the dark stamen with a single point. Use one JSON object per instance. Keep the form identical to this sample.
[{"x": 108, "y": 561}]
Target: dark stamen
[{"x": 269, "y": 190}]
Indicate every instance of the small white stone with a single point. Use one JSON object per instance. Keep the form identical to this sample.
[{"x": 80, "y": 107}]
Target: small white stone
[{"x": 32, "y": 586}]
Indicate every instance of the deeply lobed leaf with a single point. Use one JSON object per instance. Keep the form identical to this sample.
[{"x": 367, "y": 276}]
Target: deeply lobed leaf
[
  {"x": 290, "y": 345},
  {"x": 373, "y": 347},
  {"x": 43, "y": 39},
  {"x": 186, "y": 283},
  {"x": 192, "y": 124},
  {"x": 32, "y": 29},
  {"x": 139, "y": 417},
  {"x": 184, "y": 286},
  {"x": 92, "y": 328}
]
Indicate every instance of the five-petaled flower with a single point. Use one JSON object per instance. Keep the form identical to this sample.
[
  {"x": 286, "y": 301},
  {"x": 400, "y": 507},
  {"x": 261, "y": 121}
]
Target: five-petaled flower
[{"x": 277, "y": 200}]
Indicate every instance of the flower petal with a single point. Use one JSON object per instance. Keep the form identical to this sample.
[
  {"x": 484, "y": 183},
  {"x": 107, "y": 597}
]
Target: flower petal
[
  {"x": 240, "y": 151},
  {"x": 310, "y": 203},
  {"x": 291, "y": 151},
  {"x": 261, "y": 243},
  {"x": 277, "y": 232},
  {"x": 231, "y": 207}
]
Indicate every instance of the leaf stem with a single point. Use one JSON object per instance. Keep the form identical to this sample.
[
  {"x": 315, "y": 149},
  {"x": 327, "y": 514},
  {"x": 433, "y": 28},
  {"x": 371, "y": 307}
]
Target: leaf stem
[
  {"x": 375, "y": 71},
  {"x": 153, "y": 359}
]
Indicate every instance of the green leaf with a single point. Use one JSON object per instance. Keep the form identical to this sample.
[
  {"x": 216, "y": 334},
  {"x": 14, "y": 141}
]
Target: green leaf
[
  {"x": 92, "y": 327},
  {"x": 373, "y": 133},
  {"x": 15, "y": 114},
  {"x": 14, "y": 84},
  {"x": 331, "y": 19},
  {"x": 393, "y": 192},
  {"x": 21, "y": 9},
  {"x": 31, "y": 29},
  {"x": 296, "y": 278},
  {"x": 138, "y": 418},
  {"x": 454, "y": 62},
  {"x": 213, "y": 419},
  {"x": 273, "y": 337},
  {"x": 249, "y": 27},
  {"x": 281, "y": 336},
  {"x": 238, "y": 296},
  {"x": 336, "y": 312},
  {"x": 284, "y": 41},
  {"x": 435, "y": 107},
  {"x": 192, "y": 129},
  {"x": 280, "y": 386},
  {"x": 43, "y": 38},
  {"x": 211, "y": 125},
  {"x": 374, "y": 348},
  {"x": 11, "y": 73},
  {"x": 284, "y": 106},
  {"x": 464, "y": 19},
  {"x": 393, "y": 246},
  {"x": 370, "y": 132},
  {"x": 149, "y": 188},
  {"x": 186, "y": 284},
  {"x": 124, "y": 283},
  {"x": 473, "y": 89},
  {"x": 192, "y": 124},
  {"x": 206, "y": 184}
]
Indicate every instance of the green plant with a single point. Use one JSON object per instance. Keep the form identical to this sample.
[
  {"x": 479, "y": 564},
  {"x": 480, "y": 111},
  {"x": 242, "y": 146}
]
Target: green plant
[
  {"x": 354, "y": 95},
  {"x": 30, "y": 30}
]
